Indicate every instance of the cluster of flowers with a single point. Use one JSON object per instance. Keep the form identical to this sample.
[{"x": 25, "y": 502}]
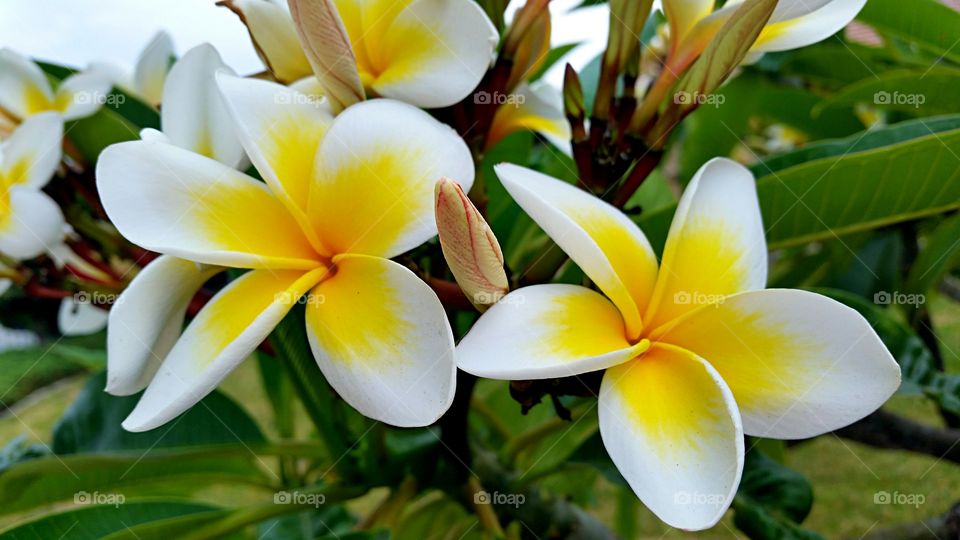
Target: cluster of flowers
[{"x": 350, "y": 183}]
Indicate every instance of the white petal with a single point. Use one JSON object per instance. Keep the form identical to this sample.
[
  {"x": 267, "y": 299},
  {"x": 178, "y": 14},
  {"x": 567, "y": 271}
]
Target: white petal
[
  {"x": 803, "y": 23},
  {"x": 605, "y": 243},
  {"x": 434, "y": 52},
  {"x": 275, "y": 38},
  {"x": 146, "y": 321},
  {"x": 152, "y": 66},
  {"x": 24, "y": 89},
  {"x": 173, "y": 201},
  {"x": 31, "y": 155},
  {"x": 716, "y": 243},
  {"x": 382, "y": 340},
  {"x": 393, "y": 154},
  {"x": 82, "y": 94},
  {"x": 671, "y": 427},
  {"x": 225, "y": 332},
  {"x": 194, "y": 115},
  {"x": 546, "y": 331},
  {"x": 80, "y": 318},
  {"x": 799, "y": 364},
  {"x": 31, "y": 225},
  {"x": 538, "y": 108}
]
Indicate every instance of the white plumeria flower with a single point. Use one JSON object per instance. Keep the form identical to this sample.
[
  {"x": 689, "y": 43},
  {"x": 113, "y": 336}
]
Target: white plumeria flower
[
  {"x": 25, "y": 90},
  {"x": 341, "y": 197},
  {"x": 696, "y": 353},
  {"x": 431, "y": 53},
  {"x": 537, "y": 107},
  {"x": 149, "y": 73},
  {"x": 194, "y": 117},
  {"x": 794, "y": 24},
  {"x": 30, "y": 221}
]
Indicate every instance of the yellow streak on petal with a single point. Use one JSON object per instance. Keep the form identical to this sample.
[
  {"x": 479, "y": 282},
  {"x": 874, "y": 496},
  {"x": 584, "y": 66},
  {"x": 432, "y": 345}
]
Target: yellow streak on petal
[
  {"x": 773, "y": 31},
  {"x": 751, "y": 353},
  {"x": 372, "y": 221},
  {"x": 35, "y": 101},
  {"x": 357, "y": 313},
  {"x": 671, "y": 399},
  {"x": 290, "y": 146},
  {"x": 705, "y": 266},
  {"x": 566, "y": 323}
]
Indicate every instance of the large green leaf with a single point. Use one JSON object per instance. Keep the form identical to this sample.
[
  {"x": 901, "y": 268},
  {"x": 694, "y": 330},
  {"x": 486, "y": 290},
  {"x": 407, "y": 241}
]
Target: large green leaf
[
  {"x": 24, "y": 370},
  {"x": 926, "y": 23},
  {"x": 923, "y": 92},
  {"x": 772, "y": 500},
  {"x": 92, "y": 424},
  {"x": 937, "y": 257},
  {"x": 100, "y": 521},
  {"x": 859, "y": 191}
]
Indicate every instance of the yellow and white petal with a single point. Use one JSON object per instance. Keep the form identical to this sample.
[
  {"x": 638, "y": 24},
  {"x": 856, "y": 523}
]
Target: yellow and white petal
[
  {"x": 800, "y": 23},
  {"x": 225, "y": 332},
  {"x": 30, "y": 222},
  {"x": 538, "y": 108},
  {"x": 24, "y": 89},
  {"x": 672, "y": 428},
  {"x": 382, "y": 340},
  {"x": 275, "y": 37},
  {"x": 147, "y": 318},
  {"x": 76, "y": 318},
  {"x": 605, "y": 243},
  {"x": 433, "y": 53},
  {"x": 194, "y": 115},
  {"x": 799, "y": 364},
  {"x": 373, "y": 184},
  {"x": 150, "y": 73},
  {"x": 683, "y": 15},
  {"x": 32, "y": 153},
  {"x": 82, "y": 94},
  {"x": 172, "y": 201},
  {"x": 546, "y": 331},
  {"x": 716, "y": 243},
  {"x": 281, "y": 130}
]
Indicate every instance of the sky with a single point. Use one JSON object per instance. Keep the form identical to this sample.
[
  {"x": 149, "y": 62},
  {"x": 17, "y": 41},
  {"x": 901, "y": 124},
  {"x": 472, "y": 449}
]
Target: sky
[{"x": 78, "y": 32}]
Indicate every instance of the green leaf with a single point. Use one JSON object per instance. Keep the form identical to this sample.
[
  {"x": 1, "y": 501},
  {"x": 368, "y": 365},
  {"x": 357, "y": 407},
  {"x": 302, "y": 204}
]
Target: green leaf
[
  {"x": 27, "y": 369},
  {"x": 92, "y": 424},
  {"x": 927, "y": 23},
  {"x": 772, "y": 500},
  {"x": 924, "y": 92},
  {"x": 94, "y": 133},
  {"x": 938, "y": 256},
  {"x": 100, "y": 521},
  {"x": 855, "y": 192}
]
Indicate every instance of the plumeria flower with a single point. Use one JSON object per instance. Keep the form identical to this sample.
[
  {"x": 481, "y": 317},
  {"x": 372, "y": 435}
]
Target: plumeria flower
[
  {"x": 696, "y": 352},
  {"x": 149, "y": 73},
  {"x": 794, "y": 24},
  {"x": 537, "y": 107},
  {"x": 342, "y": 196},
  {"x": 25, "y": 90},
  {"x": 195, "y": 118},
  {"x": 430, "y": 53},
  {"x": 30, "y": 221}
]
